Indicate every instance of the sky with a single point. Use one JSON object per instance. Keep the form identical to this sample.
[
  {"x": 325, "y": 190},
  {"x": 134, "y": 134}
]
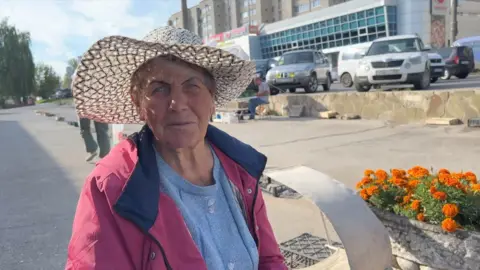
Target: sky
[{"x": 64, "y": 29}]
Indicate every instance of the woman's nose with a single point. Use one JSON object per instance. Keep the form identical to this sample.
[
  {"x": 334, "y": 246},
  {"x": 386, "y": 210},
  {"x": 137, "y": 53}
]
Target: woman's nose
[{"x": 178, "y": 100}]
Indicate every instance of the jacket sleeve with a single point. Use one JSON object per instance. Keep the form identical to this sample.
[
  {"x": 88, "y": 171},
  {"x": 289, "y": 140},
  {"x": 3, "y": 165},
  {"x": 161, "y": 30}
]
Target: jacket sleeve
[
  {"x": 270, "y": 256},
  {"x": 96, "y": 242}
]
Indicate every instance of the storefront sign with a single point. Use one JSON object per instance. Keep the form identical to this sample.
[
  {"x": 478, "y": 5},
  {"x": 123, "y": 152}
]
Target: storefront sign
[
  {"x": 234, "y": 33},
  {"x": 440, "y": 7}
]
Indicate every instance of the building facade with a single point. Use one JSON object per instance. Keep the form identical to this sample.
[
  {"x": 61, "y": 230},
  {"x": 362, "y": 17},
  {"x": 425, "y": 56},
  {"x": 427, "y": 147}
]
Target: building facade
[{"x": 212, "y": 17}]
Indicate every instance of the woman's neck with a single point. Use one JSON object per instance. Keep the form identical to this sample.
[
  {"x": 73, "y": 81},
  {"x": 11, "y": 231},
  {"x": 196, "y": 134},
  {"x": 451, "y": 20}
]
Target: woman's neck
[{"x": 194, "y": 164}]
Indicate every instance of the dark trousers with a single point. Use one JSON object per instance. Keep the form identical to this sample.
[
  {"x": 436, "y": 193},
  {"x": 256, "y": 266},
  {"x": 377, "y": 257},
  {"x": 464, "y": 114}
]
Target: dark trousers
[{"x": 102, "y": 136}]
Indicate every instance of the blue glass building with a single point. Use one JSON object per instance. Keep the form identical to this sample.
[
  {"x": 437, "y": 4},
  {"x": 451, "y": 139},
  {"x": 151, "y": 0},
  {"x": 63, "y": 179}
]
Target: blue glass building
[{"x": 326, "y": 33}]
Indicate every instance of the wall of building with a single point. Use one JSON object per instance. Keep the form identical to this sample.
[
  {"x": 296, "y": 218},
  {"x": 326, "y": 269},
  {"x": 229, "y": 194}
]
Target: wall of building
[{"x": 413, "y": 17}]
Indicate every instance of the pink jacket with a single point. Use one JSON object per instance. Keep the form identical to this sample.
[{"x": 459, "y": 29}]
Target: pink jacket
[{"x": 124, "y": 222}]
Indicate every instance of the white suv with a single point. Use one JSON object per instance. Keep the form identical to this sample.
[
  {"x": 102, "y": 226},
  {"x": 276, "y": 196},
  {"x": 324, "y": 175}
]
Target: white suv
[{"x": 394, "y": 60}]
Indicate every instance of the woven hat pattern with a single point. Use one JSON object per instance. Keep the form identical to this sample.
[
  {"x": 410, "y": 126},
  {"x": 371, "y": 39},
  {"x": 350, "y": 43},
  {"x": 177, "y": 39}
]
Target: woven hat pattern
[{"x": 101, "y": 87}]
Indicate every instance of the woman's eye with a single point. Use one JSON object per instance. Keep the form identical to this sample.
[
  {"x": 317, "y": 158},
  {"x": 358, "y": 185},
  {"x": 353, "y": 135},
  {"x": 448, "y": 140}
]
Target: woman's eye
[
  {"x": 193, "y": 87},
  {"x": 160, "y": 89}
]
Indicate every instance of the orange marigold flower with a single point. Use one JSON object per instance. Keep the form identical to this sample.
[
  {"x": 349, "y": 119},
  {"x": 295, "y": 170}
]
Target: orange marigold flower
[
  {"x": 444, "y": 171},
  {"x": 421, "y": 217},
  {"x": 385, "y": 187},
  {"x": 368, "y": 172},
  {"x": 415, "y": 205},
  {"x": 413, "y": 183},
  {"x": 457, "y": 176},
  {"x": 433, "y": 189},
  {"x": 406, "y": 199},
  {"x": 364, "y": 181},
  {"x": 476, "y": 187},
  {"x": 397, "y": 173},
  {"x": 471, "y": 177},
  {"x": 450, "y": 210},
  {"x": 381, "y": 175},
  {"x": 449, "y": 225},
  {"x": 418, "y": 172},
  {"x": 364, "y": 194},
  {"x": 399, "y": 182},
  {"x": 440, "y": 195},
  {"x": 372, "y": 190}
]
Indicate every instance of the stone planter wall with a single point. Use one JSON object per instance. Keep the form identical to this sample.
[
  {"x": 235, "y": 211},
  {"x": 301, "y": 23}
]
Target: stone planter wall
[
  {"x": 417, "y": 245},
  {"x": 398, "y": 106}
]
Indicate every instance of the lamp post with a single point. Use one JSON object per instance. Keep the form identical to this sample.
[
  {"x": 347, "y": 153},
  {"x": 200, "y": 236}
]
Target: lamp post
[{"x": 454, "y": 22}]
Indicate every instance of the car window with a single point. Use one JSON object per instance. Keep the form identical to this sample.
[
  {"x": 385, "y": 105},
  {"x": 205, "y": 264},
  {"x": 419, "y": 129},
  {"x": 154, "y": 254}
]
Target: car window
[
  {"x": 296, "y": 58},
  {"x": 464, "y": 51},
  {"x": 394, "y": 46},
  {"x": 445, "y": 52}
]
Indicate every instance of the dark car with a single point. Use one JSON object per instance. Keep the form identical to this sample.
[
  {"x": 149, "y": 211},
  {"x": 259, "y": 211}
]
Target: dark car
[
  {"x": 63, "y": 93},
  {"x": 459, "y": 61}
]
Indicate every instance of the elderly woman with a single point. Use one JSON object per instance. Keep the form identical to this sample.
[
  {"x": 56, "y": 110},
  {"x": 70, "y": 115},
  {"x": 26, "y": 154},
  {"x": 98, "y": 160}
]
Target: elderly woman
[{"x": 179, "y": 194}]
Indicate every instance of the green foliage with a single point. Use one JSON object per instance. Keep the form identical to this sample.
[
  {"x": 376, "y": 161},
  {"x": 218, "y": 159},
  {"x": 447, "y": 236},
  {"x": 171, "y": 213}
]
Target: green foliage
[
  {"x": 46, "y": 81},
  {"x": 67, "y": 78},
  {"x": 17, "y": 69}
]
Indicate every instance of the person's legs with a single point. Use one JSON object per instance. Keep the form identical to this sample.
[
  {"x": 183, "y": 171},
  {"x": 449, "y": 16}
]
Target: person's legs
[
  {"x": 90, "y": 144},
  {"x": 103, "y": 139},
  {"x": 253, "y": 104}
]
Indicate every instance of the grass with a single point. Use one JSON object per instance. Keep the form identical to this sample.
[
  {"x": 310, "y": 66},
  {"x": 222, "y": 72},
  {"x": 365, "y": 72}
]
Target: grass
[{"x": 63, "y": 101}]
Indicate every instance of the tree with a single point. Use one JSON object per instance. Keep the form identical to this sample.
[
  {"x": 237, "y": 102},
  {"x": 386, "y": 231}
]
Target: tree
[
  {"x": 67, "y": 78},
  {"x": 46, "y": 80},
  {"x": 17, "y": 69}
]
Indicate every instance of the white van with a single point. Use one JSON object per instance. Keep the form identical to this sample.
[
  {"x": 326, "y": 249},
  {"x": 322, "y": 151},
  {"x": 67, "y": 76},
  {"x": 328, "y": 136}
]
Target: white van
[{"x": 347, "y": 64}]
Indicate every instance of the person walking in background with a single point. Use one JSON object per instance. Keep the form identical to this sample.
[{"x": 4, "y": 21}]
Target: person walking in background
[
  {"x": 102, "y": 146},
  {"x": 261, "y": 98}
]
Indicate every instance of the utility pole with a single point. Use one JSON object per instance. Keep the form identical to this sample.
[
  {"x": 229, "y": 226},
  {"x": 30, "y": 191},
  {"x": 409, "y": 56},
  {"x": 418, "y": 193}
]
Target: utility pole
[{"x": 454, "y": 24}]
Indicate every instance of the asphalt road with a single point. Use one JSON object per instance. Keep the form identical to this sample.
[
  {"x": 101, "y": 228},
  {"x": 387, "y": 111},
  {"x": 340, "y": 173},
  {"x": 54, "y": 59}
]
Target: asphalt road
[{"x": 473, "y": 81}]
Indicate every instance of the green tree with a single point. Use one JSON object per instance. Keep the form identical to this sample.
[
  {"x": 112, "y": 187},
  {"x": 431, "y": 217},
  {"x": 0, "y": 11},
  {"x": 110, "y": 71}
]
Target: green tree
[
  {"x": 46, "y": 79},
  {"x": 71, "y": 67},
  {"x": 17, "y": 69}
]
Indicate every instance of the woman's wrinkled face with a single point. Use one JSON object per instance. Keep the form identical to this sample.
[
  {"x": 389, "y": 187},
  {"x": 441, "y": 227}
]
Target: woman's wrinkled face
[{"x": 176, "y": 101}]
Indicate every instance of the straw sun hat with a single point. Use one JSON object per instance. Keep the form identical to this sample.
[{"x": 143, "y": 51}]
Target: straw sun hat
[{"x": 101, "y": 87}]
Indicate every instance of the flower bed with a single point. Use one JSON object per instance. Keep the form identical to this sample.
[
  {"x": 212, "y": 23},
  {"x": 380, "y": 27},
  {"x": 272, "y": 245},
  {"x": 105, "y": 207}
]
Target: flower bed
[{"x": 441, "y": 214}]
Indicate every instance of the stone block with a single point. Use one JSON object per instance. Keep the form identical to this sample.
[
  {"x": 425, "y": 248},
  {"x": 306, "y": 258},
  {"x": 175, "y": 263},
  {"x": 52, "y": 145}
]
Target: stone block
[
  {"x": 295, "y": 110},
  {"x": 406, "y": 264},
  {"x": 327, "y": 114},
  {"x": 59, "y": 119},
  {"x": 348, "y": 116},
  {"x": 443, "y": 121}
]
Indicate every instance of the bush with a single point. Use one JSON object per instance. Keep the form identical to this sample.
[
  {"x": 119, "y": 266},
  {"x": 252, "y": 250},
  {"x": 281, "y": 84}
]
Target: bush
[{"x": 451, "y": 200}]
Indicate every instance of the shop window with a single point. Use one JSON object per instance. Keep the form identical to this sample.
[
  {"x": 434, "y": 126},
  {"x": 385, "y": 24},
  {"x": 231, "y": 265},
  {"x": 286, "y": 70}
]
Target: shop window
[
  {"x": 355, "y": 40},
  {"x": 381, "y": 28},
  {"x": 372, "y": 37},
  {"x": 337, "y": 28},
  {"x": 354, "y": 33},
  {"x": 317, "y": 33},
  {"x": 353, "y": 25},
  {"x": 392, "y": 18},
  {"x": 346, "y": 41},
  {"x": 331, "y": 30},
  {"x": 362, "y": 23},
  {"x": 381, "y": 34},
  {"x": 361, "y": 14},
  {"x": 310, "y": 27},
  {"x": 323, "y": 31},
  {"x": 352, "y": 17},
  {"x": 344, "y": 19},
  {"x": 346, "y": 35},
  {"x": 330, "y": 22},
  {"x": 363, "y": 39},
  {"x": 371, "y": 29},
  {"x": 336, "y": 21},
  {"x": 370, "y": 12},
  {"x": 345, "y": 27},
  {"x": 362, "y": 31},
  {"x": 379, "y": 11},
  {"x": 338, "y": 36}
]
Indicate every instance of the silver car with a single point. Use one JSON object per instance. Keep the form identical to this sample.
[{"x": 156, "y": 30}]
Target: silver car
[{"x": 305, "y": 69}]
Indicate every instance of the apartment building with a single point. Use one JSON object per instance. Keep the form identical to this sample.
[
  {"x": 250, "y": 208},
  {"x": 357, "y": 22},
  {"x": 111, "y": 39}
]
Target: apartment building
[{"x": 211, "y": 17}]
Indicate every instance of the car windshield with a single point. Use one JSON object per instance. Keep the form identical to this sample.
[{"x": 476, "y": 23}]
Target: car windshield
[
  {"x": 445, "y": 52},
  {"x": 394, "y": 46},
  {"x": 296, "y": 58}
]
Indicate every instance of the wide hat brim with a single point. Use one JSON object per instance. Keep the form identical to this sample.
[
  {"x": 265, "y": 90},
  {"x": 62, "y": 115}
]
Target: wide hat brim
[{"x": 101, "y": 86}]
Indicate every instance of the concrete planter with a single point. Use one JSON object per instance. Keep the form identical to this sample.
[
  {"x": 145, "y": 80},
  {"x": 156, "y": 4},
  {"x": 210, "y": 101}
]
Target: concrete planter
[{"x": 418, "y": 245}]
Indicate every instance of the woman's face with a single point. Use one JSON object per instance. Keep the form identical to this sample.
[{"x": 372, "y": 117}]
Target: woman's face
[{"x": 176, "y": 101}]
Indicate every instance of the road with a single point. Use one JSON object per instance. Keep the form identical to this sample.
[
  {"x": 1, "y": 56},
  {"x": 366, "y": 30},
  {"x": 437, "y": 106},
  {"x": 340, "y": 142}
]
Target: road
[
  {"x": 42, "y": 168},
  {"x": 454, "y": 83}
]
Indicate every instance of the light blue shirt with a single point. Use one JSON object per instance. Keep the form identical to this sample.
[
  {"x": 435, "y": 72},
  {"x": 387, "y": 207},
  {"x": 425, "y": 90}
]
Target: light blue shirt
[{"x": 213, "y": 217}]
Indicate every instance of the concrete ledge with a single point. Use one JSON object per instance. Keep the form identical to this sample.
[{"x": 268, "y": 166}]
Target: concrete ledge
[
  {"x": 397, "y": 106},
  {"x": 327, "y": 114},
  {"x": 443, "y": 121}
]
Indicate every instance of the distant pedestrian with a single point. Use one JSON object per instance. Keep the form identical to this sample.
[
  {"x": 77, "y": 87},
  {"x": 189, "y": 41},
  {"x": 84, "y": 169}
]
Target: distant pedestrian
[
  {"x": 102, "y": 146},
  {"x": 261, "y": 97}
]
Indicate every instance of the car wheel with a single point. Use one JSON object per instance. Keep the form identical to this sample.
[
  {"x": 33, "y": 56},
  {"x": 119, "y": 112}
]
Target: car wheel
[
  {"x": 446, "y": 75},
  {"x": 274, "y": 91},
  {"x": 434, "y": 79},
  {"x": 462, "y": 75},
  {"x": 424, "y": 82},
  {"x": 362, "y": 87},
  {"x": 326, "y": 86},
  {"x": 292, "y": 90},
  {"x": 346, "y": 80},
  {"x": 312, "y": 84}
]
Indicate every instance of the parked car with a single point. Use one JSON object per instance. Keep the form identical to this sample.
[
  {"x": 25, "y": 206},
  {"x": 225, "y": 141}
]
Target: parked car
[
  {"x": 347, "y": 64},
  {"x": 437, "y": 65},
  {"x": 399, "y": 59},
  {"x": 459, "y": 61},
  {"x": 63, "y": 93},
  {"x": 301, "y": 69}
]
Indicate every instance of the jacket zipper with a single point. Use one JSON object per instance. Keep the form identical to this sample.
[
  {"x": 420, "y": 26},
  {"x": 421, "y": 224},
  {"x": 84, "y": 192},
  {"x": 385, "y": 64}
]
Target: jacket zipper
[{"x": 255, "y": 194}]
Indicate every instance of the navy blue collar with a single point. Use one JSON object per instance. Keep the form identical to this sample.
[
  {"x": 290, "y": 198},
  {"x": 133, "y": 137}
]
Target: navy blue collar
[{"x": 139, "y": 200}]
